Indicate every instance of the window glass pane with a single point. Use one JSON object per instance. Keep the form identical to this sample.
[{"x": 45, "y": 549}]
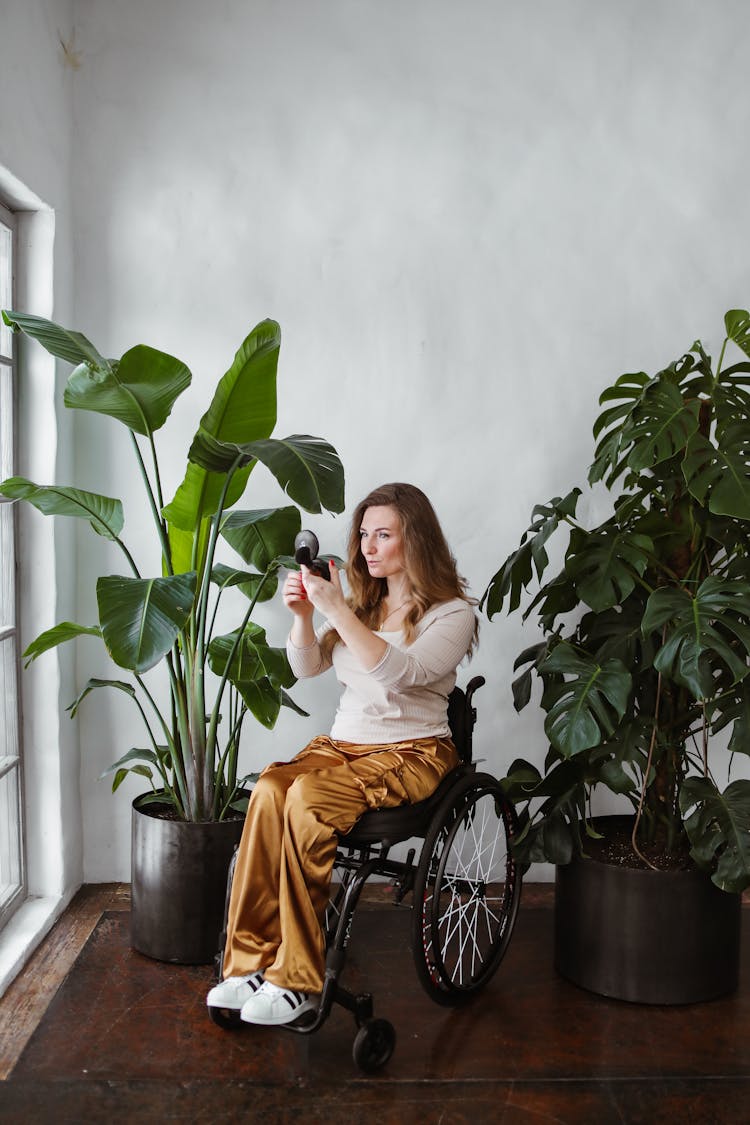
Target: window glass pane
[
  {"x": 7, "y": 596},
  {"x": 11, "y": 878},
  {"x": 6, "y": 287},
  {"x": 8, "y": 703},
  {"x": 6, "y": 421}
]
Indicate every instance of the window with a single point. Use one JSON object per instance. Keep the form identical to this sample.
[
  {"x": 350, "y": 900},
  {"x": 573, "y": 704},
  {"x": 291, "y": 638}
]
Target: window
[{"x": 12, "y": 874}]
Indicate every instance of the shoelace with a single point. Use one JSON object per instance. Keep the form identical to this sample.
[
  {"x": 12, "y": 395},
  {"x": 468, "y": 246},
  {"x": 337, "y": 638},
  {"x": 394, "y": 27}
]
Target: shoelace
[{"x": 270, "y": 989}]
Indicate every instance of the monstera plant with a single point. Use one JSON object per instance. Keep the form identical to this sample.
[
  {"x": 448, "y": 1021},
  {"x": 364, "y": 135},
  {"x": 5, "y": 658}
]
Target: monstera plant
[
  {"x": 170, "y": 620},
  {"x": 645, "y": 655}
]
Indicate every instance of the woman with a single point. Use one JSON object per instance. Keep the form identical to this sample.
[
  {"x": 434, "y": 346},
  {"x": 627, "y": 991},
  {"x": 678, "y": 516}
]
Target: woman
[{"x": 395, "y": 645}]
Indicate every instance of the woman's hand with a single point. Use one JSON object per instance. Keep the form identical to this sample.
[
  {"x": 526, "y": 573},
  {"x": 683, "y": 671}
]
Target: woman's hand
[
  {"x": 327, "y": 597},
  {"x": 295, "y": 596}
]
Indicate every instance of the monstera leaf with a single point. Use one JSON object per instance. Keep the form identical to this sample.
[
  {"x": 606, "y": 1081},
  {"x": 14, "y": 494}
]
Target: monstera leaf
[
  {"x": 584, "y": 709},
  {"x": 697, "y": 632},
  {"x": 627, "y": 391},
  {"x": 730, "y": 396},
  {"x": 103, "y": 512},
  {"x": 660, "y": 427},
  {"x": 516, "y": 572},
  {"x": 718, "y": 828},
  {"x": 737, "y": 324},
  {"x": 605, "y": 564},
  {"x": 719, "y": 476}
]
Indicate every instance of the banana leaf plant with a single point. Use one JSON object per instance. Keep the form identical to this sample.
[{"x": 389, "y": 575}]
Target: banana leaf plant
[
  {"x": 169, "y": 620},
  {"x": 646, "y": 627}
]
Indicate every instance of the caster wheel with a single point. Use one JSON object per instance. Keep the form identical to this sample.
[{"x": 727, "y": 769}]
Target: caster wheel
[
  {"x": 226, "y": 1018},
  {"x": 373, "y": 1045}
]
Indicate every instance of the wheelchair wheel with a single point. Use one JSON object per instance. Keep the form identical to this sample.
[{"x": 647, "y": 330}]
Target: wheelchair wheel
[
  {"x": 373, "y": 1045},
  {"x": 466, "y": 892}
]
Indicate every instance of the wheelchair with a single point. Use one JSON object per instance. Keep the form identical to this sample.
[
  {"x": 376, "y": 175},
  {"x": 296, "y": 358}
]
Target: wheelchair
[{"x": 465, "y": 888}]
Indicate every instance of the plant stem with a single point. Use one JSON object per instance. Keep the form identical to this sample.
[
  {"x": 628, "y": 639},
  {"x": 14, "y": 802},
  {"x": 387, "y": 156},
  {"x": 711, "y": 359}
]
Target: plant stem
[
  {"x": 207, "y": 742},
  {"x": 213, "y": 724},
  {"x": 155, "y": 510},
  {"x": 177, "y": 765}
]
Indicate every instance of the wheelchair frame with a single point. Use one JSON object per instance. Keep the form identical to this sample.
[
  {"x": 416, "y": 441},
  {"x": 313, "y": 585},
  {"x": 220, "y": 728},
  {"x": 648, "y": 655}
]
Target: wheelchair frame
[{"x": 463, "y": 915}]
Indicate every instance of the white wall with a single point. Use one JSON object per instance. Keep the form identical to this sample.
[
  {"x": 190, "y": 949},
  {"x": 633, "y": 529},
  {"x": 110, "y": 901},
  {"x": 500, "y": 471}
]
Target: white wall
[
  {"x": 468, "y": 219},
  {"x": 35, "y": 158}
]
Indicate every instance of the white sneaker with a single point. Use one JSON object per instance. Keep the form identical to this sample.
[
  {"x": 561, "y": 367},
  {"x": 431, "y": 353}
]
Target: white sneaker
[
  {"x": 274, "y": 1005},
  {"x": 234, "y": 991}
]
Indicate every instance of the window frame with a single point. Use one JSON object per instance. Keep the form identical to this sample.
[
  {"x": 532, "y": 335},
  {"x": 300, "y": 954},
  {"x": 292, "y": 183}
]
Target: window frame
[{"x": 11, "y": 765}]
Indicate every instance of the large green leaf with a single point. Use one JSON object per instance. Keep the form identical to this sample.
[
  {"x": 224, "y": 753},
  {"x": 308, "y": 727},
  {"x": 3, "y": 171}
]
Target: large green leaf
[
  {"x": 141, "y": 618},
  {"x": 93, "y": 685},
  {"x": 243, "y": 409},
  {"x": 189, "y": 548},
  {"x": 104, "y": 513},
  {"x": 534, "y": 657},
  {"x": 516, "y": 572},
  {"x": 261, "y": 536},
  {"x": 719, "y": 829},
  {"x": 737, "y": 323},
  {"x": 617, "y": 632},
  {"x": 583, "y": 709},
  {"x": 660, "y": 427},
  {"x": 307, "y": 468},
  {"x": 252, "y": 658},
  {"x": 698, "y": 629},
  {"x": 720, "y": 476},
  {"x": 605, "y": 564},
  {"x": 732, "y": 708},
  {"x": 258, "y": 671},
  {"x": 258, "y": 586},
  {"x": 730, "y": 396},
  {"x": 58, "y": 341},
  {"x": 142, "y": 757},
  {"x": 626, "y": 392},
  {"x": 57, "y": 635},
  {"x": 552, "y": 837},
  {"x": 139, "y": 390}
]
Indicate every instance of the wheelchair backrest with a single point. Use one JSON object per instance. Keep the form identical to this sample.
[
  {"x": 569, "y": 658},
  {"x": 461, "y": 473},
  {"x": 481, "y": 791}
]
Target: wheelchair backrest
[{"x": 462, "y": 716}]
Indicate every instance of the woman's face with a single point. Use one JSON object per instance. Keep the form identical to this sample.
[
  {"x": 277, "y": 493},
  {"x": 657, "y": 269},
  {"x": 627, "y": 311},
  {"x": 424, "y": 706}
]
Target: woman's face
[{"x": 381, "y": 541}]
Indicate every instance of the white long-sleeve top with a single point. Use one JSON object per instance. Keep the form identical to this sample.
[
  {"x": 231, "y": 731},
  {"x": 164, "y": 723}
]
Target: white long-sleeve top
[{"x": 406, "y": 694}]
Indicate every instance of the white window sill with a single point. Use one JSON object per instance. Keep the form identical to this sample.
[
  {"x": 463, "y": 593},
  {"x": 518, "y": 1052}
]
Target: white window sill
[{"x": 25, "y": 931}]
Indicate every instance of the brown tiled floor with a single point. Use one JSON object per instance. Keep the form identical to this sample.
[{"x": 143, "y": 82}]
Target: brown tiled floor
[{"x": 126, "y": 1039}]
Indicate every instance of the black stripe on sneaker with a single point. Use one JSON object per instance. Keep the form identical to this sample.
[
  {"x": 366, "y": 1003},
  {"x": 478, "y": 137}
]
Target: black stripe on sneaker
[{"x": 293, "y": 999}]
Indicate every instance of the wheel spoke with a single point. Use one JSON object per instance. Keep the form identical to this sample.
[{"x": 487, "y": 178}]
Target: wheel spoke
[{"x": 463, "y": 920}]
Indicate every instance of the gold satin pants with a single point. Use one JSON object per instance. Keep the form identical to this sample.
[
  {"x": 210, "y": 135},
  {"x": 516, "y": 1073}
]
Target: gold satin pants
[{"x": 285, "y": 858}]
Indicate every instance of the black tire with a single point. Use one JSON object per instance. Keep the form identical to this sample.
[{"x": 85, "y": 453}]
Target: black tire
[
  {"x": 466, "y": 891},
  {"x": 226, "y": 1018},
  {"x": 373, "y": 1045}
]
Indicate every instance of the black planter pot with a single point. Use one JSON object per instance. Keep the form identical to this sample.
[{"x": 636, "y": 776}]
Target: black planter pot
[
  {"x": 653, "y": 937},
  {"x": 179, "y": 878}
]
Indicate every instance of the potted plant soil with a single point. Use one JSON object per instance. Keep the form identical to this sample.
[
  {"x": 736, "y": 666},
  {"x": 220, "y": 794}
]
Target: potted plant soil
[
  {"x": 644, "y": 661},
  {"x": 163, "y": 627}
]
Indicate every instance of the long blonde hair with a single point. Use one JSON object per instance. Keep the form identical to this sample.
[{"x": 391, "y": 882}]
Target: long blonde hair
[{"x": 428, "y": 561}]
